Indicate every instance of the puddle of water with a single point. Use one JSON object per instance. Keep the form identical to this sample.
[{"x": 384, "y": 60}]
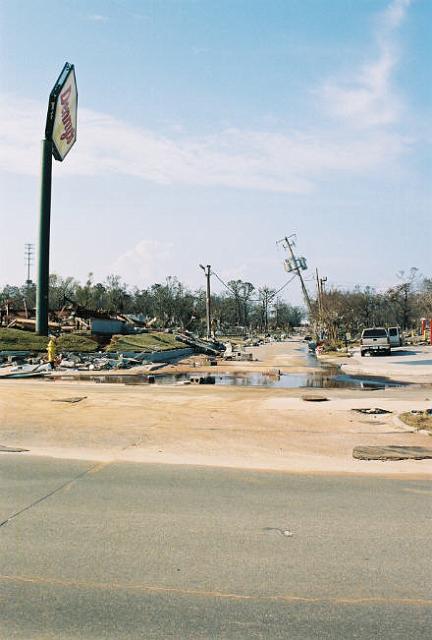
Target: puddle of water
[
  {"x": 319, "y": 377},
  {"x": 325, "y": 379},
  {"x": 418, "y": 362}
]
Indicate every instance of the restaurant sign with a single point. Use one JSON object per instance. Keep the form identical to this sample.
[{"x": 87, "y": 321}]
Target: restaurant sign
[{"x": 61, "y": 125}]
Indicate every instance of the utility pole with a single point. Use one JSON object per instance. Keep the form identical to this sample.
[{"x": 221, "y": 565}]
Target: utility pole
[
  {"x": 320, "y": 299},
  {"x": 322, "y": 283},
  {"x": 318, "y": 293},
  {"x": 207, "y": 272},
  {"x": 265, "y": 310},
  {"x": 29, "y": 259},
  {"x": 294, "y": 265}
]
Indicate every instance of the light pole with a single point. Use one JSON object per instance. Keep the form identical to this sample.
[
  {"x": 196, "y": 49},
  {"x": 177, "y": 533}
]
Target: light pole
[{"x": 207, "y": 271}]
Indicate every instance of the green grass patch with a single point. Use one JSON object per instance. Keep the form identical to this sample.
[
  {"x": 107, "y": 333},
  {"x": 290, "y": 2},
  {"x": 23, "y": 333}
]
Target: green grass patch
[
  {"x": 18, "y": 340},
  {"x": 76, "y": 342},
  {"x": 154, "y": 341}
]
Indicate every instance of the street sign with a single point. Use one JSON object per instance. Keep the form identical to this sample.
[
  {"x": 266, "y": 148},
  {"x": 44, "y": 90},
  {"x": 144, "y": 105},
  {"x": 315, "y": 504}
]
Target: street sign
[{"x": 61, "y": 125}]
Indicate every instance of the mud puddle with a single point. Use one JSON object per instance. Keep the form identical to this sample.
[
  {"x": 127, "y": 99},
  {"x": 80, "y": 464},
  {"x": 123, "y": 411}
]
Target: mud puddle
[{"x": 328, "y": 378}]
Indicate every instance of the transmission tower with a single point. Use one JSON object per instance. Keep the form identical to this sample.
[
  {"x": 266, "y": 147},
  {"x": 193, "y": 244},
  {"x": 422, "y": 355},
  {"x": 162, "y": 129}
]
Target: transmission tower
[{"x": 29, "y": 260}]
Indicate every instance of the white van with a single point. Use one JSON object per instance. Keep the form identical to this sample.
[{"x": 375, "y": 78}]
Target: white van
[{"x": 395, "y": 336}]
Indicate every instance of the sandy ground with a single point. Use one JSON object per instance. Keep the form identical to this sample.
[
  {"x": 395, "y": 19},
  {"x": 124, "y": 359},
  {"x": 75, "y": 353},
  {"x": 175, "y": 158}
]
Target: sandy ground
[
  {"x": 411, "y": 364},
  {"x": 245, "y": 427}
]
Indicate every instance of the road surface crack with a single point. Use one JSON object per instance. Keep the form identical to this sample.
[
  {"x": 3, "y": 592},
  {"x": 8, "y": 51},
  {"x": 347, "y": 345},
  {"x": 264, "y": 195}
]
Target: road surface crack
[{"x": 92, "y": 469}]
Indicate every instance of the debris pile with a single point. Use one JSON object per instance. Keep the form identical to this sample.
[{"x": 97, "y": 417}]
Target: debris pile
[
  {"x": 122, "y": 352},
  {"x": 207, "y": 347},
  {"x": 22, "y": 366},
  {"x": 202, "y": 380},
  {"x": 421, "y": 420},
  {"x": 374, "y": 412},
  {"x": 238, "y": 353}
]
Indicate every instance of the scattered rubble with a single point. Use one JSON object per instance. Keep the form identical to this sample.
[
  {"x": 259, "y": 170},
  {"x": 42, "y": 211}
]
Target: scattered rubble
[
  {"x": 420, "y": 420},
  {"x": 374, "y": 412},
  {"x": 238, "y": 353},
  {"x": 19, "y": 366},
  {"x": 202, "y": 380},
  {"x": 208, "y": 347},
  {"x": 123, "y": 352}
]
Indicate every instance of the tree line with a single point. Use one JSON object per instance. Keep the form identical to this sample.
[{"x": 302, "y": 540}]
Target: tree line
[
  {"x": 337, "y": 312},
  {"x": 241, "y": 306}
]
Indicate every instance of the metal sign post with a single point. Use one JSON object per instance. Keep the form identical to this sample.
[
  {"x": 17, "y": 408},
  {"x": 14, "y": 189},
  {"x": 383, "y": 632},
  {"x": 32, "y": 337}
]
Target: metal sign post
[{"x": 60, "y": 136}]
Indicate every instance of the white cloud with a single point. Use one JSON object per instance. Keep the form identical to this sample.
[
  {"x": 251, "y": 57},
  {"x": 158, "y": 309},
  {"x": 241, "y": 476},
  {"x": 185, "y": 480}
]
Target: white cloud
[
  {"x": 97, "y": 17},
  {"x": 147, "y": 262},
  {"x": 394, "y": 14},
  {"x": 284, "y": 162},
  {"x": 289, "y": 162},
  {"x": 368, "y": 98}
]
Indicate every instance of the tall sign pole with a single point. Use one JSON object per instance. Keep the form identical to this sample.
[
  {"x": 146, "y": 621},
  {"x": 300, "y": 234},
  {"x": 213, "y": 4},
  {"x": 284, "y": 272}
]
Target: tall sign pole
[
  {"x": 60, "y": 136},
  {"x": 42, "y": 302}
]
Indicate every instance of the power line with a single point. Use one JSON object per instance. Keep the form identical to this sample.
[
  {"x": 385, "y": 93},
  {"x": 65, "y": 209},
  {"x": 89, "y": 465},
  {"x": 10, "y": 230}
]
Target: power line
[
  {"x": 283, "y": 287},
  {"x": 213, "y": 273}
]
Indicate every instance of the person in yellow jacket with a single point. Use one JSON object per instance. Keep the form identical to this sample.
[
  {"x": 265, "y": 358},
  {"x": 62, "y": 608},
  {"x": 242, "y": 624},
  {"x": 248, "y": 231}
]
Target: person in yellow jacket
[{"x": 51, "y": 349}]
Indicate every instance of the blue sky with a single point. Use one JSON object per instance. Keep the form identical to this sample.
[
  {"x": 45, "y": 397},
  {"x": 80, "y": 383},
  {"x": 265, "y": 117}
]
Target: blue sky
[{"x": 209, "y": 130}]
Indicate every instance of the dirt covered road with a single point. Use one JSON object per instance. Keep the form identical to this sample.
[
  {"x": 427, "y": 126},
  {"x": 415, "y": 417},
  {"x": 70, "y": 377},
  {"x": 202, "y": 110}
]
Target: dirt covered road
[{"x": 245, "y": 427}]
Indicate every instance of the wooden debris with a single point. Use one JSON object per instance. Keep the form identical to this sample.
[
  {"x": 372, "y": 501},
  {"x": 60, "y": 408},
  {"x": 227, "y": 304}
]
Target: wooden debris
[{"x": 70, "y": 400}]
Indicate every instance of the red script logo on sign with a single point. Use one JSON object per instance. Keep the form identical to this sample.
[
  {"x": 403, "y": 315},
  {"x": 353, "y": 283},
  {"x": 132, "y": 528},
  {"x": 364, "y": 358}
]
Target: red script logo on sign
[{"x": 69, "y": 131}]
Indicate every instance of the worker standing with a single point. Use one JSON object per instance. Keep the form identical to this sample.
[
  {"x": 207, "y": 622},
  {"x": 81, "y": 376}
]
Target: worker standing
[{"x": 51, "y": 349}]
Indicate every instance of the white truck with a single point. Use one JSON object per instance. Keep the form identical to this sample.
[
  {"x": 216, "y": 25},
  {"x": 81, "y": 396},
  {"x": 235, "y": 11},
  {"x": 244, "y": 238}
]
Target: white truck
[{"x": 375, "y": 341}]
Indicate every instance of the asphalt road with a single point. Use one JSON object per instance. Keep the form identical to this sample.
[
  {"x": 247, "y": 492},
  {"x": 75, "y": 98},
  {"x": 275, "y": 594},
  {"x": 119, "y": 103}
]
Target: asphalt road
[{"x": 118, "y": 551}]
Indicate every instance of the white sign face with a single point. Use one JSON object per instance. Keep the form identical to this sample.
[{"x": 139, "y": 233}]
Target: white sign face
[{"x": 65, "y": 118}]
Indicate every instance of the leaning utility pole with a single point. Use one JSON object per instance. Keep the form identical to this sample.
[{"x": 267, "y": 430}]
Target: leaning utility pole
[
  {"x": 296, "y": 264},
  {"x": 207, "y": 271}
]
